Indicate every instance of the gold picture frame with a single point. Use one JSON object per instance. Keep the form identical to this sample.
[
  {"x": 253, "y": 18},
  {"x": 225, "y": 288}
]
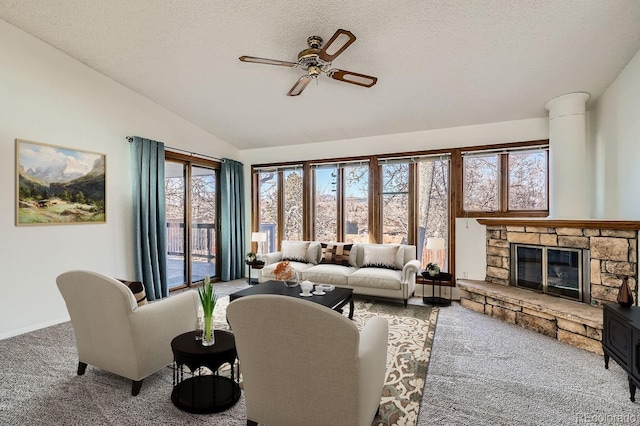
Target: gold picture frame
[{"x": 56, "y": 185}]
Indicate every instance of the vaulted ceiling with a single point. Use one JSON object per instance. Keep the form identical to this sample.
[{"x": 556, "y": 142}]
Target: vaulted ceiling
[{"x": 439, "y": 63}]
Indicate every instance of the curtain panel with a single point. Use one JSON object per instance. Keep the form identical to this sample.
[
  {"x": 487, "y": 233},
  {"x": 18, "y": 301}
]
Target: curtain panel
[
  {"x": 149, "y": 218},
  {"x": 232, "y": 230}
]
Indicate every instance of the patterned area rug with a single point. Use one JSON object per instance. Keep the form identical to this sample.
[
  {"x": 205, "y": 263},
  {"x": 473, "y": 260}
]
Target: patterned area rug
[
  {"x": 39, "y": 384},
  {"x": 411, "y": 332}
]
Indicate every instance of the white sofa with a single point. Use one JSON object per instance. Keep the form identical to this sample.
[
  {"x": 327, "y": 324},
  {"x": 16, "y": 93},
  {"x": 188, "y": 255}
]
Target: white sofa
[{"x": 395, "y": 279}]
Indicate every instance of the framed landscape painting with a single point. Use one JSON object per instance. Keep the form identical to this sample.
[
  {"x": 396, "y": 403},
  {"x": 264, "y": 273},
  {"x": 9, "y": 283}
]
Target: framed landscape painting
[{"x": 57, "y": 185}]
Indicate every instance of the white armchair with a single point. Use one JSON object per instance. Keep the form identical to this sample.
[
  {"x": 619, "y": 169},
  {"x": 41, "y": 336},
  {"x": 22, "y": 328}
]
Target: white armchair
[
  {"x": 114, "y": 334},
  {"x": 305, "y": 364}
]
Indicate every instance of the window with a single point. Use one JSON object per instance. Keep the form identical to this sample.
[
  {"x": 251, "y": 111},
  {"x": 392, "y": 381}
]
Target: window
[
  {"x": 481, "y": 177},
  {"x": 528, "y": 180},
  {"x": 280, "y": 204},
  {"x": 356, "y": 204},
  {"x": 191, "y": 192},
  {"x": 325, "y": 210},
  {"x": 433, "y": 210},
  {"x": 268, "y": 208},
  {"x": 292, "y": 206},
  {"x": 508, "y": 181},
  {"x": 395, "y": 203}
]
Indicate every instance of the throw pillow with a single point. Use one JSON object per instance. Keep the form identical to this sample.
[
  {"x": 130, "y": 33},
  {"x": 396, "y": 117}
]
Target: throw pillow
[
  {"x": 336, "y": 253},
  {"x": 295, "y": 251},
  {"x": 137, "y": 289},
  {"x": 380, "y": 256}
]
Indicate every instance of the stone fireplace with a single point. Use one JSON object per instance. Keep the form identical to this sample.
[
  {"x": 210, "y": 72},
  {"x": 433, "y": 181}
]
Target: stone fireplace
[
  {"x": 612, "y": 253},
  {"x": 553, "y": 276}
]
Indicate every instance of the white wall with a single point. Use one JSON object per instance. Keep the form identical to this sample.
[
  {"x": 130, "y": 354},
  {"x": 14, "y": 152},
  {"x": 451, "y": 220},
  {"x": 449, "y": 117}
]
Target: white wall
[
  {"x": 615, "y": 127},
  {"x": 470, "y": 236},
  {"x": 46, "y": 96}
]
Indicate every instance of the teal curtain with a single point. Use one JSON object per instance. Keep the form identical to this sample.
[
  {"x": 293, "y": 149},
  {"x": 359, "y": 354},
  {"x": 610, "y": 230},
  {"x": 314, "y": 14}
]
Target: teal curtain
[
  {"x": 232, "y": 220},
  {"x": 149, "y": 219}
]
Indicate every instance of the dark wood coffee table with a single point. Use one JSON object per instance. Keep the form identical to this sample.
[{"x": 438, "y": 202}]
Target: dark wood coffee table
[{"x": 336, "y": 299}]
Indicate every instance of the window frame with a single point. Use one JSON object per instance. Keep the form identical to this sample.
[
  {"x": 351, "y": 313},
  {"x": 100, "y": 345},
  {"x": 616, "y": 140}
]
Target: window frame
[
  {"x": 503, "y": 152},
  {"x": 188, "y": 162}
]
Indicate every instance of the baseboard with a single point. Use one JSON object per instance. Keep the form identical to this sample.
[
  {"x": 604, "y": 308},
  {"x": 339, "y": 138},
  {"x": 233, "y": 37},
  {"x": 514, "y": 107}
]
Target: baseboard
[{"x": 32, "y": 327}]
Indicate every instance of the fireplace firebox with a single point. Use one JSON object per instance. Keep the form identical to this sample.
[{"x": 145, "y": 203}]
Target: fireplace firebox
[{"x": 556, "y": 271}]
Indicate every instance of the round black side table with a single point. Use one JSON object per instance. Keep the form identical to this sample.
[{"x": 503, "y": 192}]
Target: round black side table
[
  {"x": 204, "y": 393},
  {"x": 440, "y": 279}
]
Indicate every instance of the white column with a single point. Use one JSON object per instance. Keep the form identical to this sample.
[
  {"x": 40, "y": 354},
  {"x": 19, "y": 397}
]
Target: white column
[{"x": 568, "y": 186}]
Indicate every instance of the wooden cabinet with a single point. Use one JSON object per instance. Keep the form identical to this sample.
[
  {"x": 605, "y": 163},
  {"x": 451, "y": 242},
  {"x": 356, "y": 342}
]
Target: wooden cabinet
[{"x": 621, "y": 341}]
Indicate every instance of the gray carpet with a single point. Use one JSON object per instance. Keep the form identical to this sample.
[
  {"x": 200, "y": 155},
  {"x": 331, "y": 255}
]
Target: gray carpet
[
  {"x": 482, "y": 372},
  {"x": 486, "y": 372}
]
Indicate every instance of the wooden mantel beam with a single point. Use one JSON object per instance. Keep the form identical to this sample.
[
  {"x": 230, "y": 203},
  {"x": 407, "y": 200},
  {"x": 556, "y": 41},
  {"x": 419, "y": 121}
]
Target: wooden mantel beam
[{"x": 551, "y": 223}]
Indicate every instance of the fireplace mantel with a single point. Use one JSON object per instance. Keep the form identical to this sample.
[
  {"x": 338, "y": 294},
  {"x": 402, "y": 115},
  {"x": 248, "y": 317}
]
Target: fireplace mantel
[{"x": 558, "y": 223}]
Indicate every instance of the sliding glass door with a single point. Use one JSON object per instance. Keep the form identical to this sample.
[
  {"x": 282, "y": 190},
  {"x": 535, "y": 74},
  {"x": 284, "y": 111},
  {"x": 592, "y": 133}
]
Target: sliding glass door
[{"x": 192, "y": 231}]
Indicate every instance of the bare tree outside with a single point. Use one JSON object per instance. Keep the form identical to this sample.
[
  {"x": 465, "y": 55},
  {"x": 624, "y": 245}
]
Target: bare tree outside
[
  {"x": 292, "y": 227},
  {"x": 326, "y": 204},
  {"x": 395, "y": 203},
  {"x": 480, "y": 183},
  {"x": 528, "y": 180},
  {"x": 433, "y": 209},
  {"x": 356, "y": 204},
  {"x": 268, "y": 208}
]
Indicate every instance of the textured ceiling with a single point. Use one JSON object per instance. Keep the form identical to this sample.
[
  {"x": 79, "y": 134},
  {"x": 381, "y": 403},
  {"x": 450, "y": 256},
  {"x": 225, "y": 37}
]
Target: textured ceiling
[{"x": 439, "y": 63}]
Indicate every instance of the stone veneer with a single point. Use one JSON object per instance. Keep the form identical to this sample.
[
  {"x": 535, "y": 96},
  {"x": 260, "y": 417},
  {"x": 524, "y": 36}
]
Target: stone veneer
[
  {"x": 613, "y": 254},
  {"x": 613, "y": 248}
]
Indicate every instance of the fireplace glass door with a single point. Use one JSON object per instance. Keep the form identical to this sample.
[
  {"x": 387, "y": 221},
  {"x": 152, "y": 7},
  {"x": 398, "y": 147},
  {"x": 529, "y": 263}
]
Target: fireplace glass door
[
  {"x": 529, "y": 264},
  {"x": 563, "y": 273},
  {"x": 557, "y": 271}
]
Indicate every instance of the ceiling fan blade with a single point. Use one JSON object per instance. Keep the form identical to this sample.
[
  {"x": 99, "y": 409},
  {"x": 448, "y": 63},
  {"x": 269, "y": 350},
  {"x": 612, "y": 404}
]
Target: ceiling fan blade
[
  {"x": 338, "y": 43},
  {"x": 300, "y": 85},
  {"x": 353, "y": 77},
  {"x": 267, "y": 61}
]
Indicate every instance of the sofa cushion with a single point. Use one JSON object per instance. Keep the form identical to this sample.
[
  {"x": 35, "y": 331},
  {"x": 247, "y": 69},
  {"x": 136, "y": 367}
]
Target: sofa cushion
[
  {"x": 376, "y": 278},
  {"x": 380, "y": 256},
  {"x": 137, "y": 288},
  {"x": 295, "y": 251},
  {"x": 314, "y": 252},
  {"x": 336, "y": 253},
  {"x": 327, "y": 273}
]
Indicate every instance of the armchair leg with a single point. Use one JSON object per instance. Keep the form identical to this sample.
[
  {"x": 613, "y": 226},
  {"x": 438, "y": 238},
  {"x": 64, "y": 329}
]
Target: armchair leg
[
  {"x": 82, "y": 367},
  {"x": 405, "y": 302},
  {"x": 135, "y": 387}
]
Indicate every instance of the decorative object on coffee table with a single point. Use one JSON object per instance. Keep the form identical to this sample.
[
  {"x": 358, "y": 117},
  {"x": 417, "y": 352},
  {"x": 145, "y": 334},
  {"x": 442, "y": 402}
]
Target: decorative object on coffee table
[
  {"x": 625, "y": 297},
  {"x": 285, "y": 273},
  {"x": 208, "y": 299}
]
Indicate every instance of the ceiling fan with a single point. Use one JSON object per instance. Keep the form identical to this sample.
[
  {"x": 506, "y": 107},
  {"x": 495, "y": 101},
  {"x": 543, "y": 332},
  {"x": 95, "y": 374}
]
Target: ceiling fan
[{"x": 317, "y": 59}]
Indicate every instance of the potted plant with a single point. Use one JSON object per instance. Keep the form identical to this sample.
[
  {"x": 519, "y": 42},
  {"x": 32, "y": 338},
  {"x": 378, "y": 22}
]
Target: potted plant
[
  {"x": 433, "y": 269},
  {"x": 208, "y": 299}
]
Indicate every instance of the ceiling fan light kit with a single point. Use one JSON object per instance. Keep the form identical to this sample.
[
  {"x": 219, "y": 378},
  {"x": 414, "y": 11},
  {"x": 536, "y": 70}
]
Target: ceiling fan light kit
[{"x": 317, "y": 59}]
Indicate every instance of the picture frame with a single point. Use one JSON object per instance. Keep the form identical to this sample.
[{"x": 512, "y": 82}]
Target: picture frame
[{"x": 57, "y": 185}]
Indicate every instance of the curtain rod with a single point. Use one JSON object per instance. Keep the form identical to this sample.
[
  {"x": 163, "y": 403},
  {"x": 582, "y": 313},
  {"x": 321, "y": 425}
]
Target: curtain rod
[{"x": 193, "y": 154}]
